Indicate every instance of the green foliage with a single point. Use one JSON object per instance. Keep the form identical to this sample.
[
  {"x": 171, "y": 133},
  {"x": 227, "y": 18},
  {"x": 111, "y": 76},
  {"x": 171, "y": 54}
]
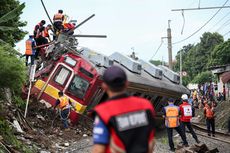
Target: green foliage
[
  {"x": 12, "y": 69},
  {"x": 221, "y": 54},
  {"x": 8, "y": 136},
  {"x": 195, "y": 57},
  {"x": 10, "y": 24},
  {"x": 156, "y": 62},
  {"x": 203, "y": 77}
]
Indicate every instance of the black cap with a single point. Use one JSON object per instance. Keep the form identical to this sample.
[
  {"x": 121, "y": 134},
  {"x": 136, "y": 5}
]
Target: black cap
[
  {"x": 43, "y": 21},
  {"x": 115, "y": 76},
  {"x": 171, "y": 100},
  {"x": 60, "y": 11}
]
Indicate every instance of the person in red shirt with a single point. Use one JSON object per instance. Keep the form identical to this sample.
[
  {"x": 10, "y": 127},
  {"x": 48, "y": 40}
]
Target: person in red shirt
[{"x": 186, "y": 115}]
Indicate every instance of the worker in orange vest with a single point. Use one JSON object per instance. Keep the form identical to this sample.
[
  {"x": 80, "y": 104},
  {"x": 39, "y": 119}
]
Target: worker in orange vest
[
  {"x": 30, "y": 51},
  {"x": 171, "y": 115},
  {"x": 64, "y": 105},
  {"x": 210, "y": 118},
  {"x": 58, "y": 21},
  {"x": 45, "y": 33}
]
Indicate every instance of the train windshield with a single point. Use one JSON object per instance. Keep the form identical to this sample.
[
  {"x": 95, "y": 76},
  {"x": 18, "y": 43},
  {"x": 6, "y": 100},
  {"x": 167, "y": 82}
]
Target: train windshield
[{"x": 78, "y": 87}]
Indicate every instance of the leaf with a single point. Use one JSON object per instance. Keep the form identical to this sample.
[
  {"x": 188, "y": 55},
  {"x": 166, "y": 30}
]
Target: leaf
[
  {"x": 12, "y": 14},
  {"x": 5, "y": 28}
]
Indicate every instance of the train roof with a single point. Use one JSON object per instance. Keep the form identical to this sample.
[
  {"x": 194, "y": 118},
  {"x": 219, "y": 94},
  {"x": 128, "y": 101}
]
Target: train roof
[{"x": 144, "y": 78}]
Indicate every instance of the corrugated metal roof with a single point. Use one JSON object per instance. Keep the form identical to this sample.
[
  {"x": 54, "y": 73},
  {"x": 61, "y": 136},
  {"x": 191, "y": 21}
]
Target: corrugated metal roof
[{"x": 225, "y": 77}]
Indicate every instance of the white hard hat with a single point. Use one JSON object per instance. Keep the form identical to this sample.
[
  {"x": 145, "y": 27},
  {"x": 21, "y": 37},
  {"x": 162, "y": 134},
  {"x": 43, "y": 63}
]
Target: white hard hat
[{"x": 184, "y": 97}]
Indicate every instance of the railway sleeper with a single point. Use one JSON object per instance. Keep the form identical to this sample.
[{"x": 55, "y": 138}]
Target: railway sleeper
[{"x": 196, "y": 148}]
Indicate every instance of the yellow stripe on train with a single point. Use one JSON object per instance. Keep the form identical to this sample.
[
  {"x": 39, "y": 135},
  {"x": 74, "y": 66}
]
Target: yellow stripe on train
[{"x": 53, "y": 92}]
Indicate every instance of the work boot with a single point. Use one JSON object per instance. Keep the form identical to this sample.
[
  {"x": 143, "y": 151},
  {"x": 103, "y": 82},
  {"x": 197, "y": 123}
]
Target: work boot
[
  {"x": 185, "y": 145},
  {"x": 172, "y": 149},
  {"x": 213, "y": 135},
  {"x": 209, "y": 134},
  {"x": 197, "y": 141}
]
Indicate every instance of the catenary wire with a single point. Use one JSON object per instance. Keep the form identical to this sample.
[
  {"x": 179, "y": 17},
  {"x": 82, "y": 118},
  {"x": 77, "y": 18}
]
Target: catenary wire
[
  {"x": 157, "y": 49},
  {"x": 202, "y": 25},
  {"x": 219, "y": 21}
]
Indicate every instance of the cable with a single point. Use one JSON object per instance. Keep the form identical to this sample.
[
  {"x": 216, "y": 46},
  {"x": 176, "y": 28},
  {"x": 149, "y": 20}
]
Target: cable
[
  {"x": 201, "y": 26},
  {"x": 223, "y": 25},
  {"x": 226, "y": 33},
  {"x": 182, "y": 30},
  {"x": 157, "y": 49},
  {"x": 219, "y": 21}
]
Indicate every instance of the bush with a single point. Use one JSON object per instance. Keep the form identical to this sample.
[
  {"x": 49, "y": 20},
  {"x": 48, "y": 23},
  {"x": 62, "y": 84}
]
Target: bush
[{"x": 203, "y": 77}]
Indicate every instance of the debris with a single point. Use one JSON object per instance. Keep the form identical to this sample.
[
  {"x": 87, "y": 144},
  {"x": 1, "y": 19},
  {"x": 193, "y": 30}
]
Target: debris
[
  {"x": 66, "y": 144},
  {"x": 85, "y": 135},
  {"x": 40, "y": 117},
  {"x": 17, "y": 126},
  {"x": 199, "y": 148}
]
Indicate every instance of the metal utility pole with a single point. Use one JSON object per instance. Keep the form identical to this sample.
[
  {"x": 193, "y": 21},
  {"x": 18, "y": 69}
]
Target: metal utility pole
[
  {"x": 169, "y": 36},
  {"x": 181, "y": 67}
]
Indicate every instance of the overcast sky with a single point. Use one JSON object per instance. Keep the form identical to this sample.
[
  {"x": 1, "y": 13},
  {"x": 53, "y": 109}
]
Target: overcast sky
[{"x": 131, "y": 23}]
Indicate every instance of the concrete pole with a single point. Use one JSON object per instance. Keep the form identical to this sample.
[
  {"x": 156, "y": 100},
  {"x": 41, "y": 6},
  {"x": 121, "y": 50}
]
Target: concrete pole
[
  {"x": 169, "y": 44},
  {"x": 181, "y": 67}
]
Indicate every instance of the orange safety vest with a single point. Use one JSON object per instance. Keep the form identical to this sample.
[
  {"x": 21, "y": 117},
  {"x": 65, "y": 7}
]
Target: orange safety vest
[
  {"x": 209, "y": 112},
  {"x": 29, "y": 50},
  {"x": 64, "y": 103},
  {"x": 58, "y": 17},
  {"x": 172, "y": 119},
  {"x": 45, "y": 33}
]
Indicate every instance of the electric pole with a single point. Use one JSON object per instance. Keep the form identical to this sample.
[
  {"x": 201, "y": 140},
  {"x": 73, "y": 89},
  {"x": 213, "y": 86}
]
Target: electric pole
[{"x": 169, "y": 36}]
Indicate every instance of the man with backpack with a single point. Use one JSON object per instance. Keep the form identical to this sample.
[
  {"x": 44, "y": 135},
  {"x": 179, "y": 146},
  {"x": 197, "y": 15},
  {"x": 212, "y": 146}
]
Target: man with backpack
[{"x": 210, "y": 118}]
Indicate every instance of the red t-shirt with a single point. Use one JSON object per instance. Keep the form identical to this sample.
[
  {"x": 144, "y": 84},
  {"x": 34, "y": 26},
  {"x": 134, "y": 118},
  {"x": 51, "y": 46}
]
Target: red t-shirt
[{"x": 186, "y": 112}]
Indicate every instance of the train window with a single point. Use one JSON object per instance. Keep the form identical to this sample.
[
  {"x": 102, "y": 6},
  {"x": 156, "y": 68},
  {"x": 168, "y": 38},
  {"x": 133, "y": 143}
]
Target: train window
[
  {"x": 70, "y": 61},
  {"x": 78, "y": 87},
  {"x": 87, "y": 73},
  {"x": 61, "y": 76}
]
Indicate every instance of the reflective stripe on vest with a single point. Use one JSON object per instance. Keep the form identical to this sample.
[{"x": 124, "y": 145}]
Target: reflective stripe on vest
[
  {"x": 63, "y": 102},
  {"x": 209, "y": 112},
  {"x": 29, "y": 50},
  {"x": 58, "y": 17},
  {"x": 172, "y": 114}
]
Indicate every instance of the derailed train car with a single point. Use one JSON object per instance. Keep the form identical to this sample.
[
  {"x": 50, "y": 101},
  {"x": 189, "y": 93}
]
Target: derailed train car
[{"x": 79, "y": 77}]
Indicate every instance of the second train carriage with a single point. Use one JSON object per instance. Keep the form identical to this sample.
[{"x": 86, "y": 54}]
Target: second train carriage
[{"x": 79, "y": 77}]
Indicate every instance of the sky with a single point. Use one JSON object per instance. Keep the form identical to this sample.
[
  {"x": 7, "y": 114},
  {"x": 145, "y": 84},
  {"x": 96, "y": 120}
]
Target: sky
[{"x": 131, "y": 24}]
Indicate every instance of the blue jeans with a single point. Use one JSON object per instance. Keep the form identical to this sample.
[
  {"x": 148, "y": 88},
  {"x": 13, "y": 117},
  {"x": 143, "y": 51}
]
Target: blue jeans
[{"x": 64, "y": 117}]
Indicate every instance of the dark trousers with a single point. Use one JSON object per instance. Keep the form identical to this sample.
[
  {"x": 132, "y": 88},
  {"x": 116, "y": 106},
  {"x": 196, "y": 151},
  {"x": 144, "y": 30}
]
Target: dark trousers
[
  {"x": 189, "y": 126},
  {"x": 40, "y": 41},
  {"x": 57, "y": 28},
  {"x": 170, "y": 136},
  {"x": 31, "y": 59},
  {"x": 229, "y": 124},
  {"x": 64, "y": 116},
  {"x": 210, "y": 123}
]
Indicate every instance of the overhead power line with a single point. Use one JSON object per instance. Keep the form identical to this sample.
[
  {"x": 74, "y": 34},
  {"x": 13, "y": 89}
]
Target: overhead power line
[
  {"x": 223, "y": 25},
  {"x": 202, "y": 25},
  {"x": 219, "y": 21},
  {"x": 157, "y": 49}
]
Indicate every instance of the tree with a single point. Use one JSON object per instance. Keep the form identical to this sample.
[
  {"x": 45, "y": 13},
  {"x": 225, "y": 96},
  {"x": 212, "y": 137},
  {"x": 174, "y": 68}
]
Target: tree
[
  {"x": 221, "y": 54},
  {"x": 203, "y": 77},
  {"x": 10, "y": 24},
  {"x": 155, "y": 62}
]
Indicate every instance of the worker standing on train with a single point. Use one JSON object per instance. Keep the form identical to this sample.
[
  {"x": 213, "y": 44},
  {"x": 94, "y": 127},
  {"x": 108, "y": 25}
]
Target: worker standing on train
[
  {"x": 171, "y": 115},
  {"x": 209, "y": 114},
  {"x": 45, "y": 33},
  {"x": 58, "y": 21},
  {"x": 38, "y": 29},
  {"x": 30, "y": 51},
  {"x": 64, "y": 106},
  {"x": 123, "y": 123},
  {"x": 187, "y": 112}
]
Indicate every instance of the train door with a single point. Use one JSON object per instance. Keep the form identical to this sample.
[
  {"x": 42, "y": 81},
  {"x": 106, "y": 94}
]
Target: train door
[{"x": 58, "y": 80}]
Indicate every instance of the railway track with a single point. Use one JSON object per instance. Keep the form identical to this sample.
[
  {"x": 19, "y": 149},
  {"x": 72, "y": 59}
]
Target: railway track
[{"x": 219, "y": 136}]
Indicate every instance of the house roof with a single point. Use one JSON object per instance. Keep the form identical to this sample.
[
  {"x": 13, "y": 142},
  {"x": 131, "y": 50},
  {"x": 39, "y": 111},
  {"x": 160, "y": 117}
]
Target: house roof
[{"x": 225, "y": 77}]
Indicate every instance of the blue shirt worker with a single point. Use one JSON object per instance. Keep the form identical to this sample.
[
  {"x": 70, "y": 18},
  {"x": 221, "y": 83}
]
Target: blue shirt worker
[
  {"x": 64, "y": 105},
  {"x": 171, "y": 115},
  {"x": 123, "y": 123},
  {"x": 30, "y": 51}
]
